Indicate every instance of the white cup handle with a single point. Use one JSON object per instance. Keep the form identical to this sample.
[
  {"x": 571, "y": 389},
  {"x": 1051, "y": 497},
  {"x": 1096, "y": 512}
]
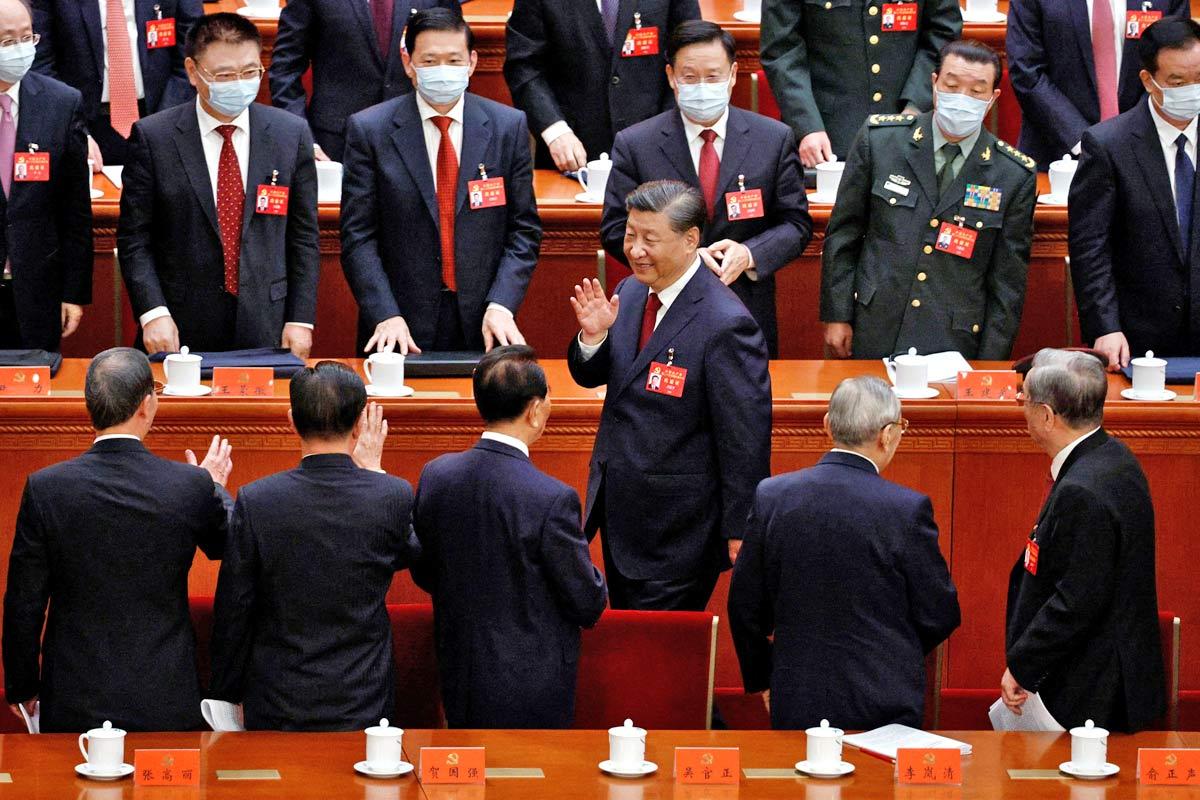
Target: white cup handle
[
  {"x": 581, "y": 176},
  {"x": 82, "y": 749},
  {"x": 367, "y": 369}
]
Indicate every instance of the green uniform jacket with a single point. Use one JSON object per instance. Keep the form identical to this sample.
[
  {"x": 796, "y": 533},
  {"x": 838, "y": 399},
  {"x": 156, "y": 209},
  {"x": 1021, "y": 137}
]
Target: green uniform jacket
[{"x": 881, "y": 269}]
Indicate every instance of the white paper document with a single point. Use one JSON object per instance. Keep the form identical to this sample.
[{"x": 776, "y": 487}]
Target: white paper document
[
  {"x": 943, "y": 367},
  {"x": 223, "y": 717},
  {"x": 887, "y": 740},
  {"x": 113, "y": 174},
  {"x": 33, "y": 723},
  {"x": 1034, "y": 716}
]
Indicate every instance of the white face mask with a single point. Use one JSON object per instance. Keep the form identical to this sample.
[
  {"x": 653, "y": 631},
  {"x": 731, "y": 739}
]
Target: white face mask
[
  {"x": 1180, "y": 102},
  {"x": 442, "y": 84},
  {"x": 960, "y": 115},
  {"x": 15, "y": 61},
  {"x": 703, "y": 102}
]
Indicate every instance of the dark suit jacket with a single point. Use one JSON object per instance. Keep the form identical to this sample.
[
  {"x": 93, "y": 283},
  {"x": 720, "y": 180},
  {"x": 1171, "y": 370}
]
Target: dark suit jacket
[
  {"x": 1084, "y": 631},
  {"x": 72, "y": 49},
  {"x": 47, "y": 233},
  {"x": 1049, "y": 45},
  {"x": 107, "y": 540},
  {"x": 761, "y": 149},
  {"x": 835, "y": 556},
  {"x": 301, "y": 633},
  {"x": 1128, "y": 264},
  {"x": 337, "y": 40},
  {"x": 560, "y": 65},
  {"x": 672, "y": 478},
  {"x": 512, "y": 583},
  {"x": 391, "y": 250},
  {"x": 170, "y": 245}
]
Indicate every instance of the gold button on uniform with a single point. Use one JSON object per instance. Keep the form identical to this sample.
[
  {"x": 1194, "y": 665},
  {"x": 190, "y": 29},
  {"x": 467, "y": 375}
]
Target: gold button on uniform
[
  {"x": 916, "y": 303},
  {"x": 877, "y": 96},
  {"x": 875, "y": 69},
  {"x": 874, "y": 39},
  {"x": 829, "y": 5},
  {"x": 974, "y": 329},
  {"x": 873, "y": 11},
  {"x": 933, "y": 222},
  {"x": 921, "y": 276},
  {"x": 928, "y": 250},
  {"x": 979, "y": 224}
]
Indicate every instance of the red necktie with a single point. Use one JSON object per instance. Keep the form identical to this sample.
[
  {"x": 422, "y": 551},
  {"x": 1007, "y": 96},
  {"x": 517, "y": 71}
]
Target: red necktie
[
  {"x": 649, "y": 317},
  {"x": 1104, "y": 53},
  {"x": 710, "y": 167},
  {"x": 1049, "y": 478},
  {"x": 447, "y": 190},
  {"x": 231, "y": 201},
  {"x": 122, "y": 91},
  {"x": 381, "y": 15}
]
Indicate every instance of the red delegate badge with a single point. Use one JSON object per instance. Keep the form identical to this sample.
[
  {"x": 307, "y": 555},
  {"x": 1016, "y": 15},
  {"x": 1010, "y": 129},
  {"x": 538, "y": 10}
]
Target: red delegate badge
[
  {"x": 1136, "y": 22},
  {"x": 898, "y": 17},
  {"x": 956, "y": 240},
  {"x": 31, "y": 167},
  {"x": 640, "y": 42},
  {"x": 745, "y": 204},
  {"x": 271, "y": 199},
  {"x": 160, "y": 33},
  {"x": 486, "y": 193},
  {"x": 666, "y": 379},
  {"x": 1031, "y": 557}
]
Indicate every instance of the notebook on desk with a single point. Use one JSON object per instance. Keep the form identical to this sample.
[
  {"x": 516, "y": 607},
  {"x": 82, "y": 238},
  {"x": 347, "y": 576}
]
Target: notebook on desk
[{"x": 444, "y": 364}]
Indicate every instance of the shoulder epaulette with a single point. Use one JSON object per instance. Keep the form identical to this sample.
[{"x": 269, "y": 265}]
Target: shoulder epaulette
[
  {"x": 890, "y": 119},
  {"x": 1016, "y": 155}
]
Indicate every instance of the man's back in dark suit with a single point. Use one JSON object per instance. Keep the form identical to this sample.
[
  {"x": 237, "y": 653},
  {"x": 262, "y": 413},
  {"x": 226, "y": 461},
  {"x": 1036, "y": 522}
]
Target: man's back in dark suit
[
  {"x": 108, "y": 539},
  {"x": 512, "y": 583}
]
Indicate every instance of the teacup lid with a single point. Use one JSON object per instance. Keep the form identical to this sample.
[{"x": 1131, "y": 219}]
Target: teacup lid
[
  {"x": 1149, "y": 360},
  {"x": 824, "y": 730},
  {"x": 107, "y": 731},
  {"x": 910, "y": 357},
  {"x": 386, "y": 357},
  {"x": 627, "y": 729},
  {"x": 1089, "y": 731},
  {"x": 832, "y": 165},
  {"x": 383, "y": 729},
  {"x": 185, "y": 354},
  {"x": 1066, "y": 162}
]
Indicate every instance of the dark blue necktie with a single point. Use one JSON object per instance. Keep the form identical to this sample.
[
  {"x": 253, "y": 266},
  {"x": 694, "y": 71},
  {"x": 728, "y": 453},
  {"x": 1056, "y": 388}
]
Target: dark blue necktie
[
  {"x": 608, "y": 13},
  {"x": 1185, "y": 180}
]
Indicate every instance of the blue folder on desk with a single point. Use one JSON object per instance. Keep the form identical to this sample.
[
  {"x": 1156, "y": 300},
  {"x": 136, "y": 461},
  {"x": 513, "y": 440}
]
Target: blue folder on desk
[
  {"x": 281, "y": 360},
  {"x": 1179, "y": 370},
  {"x": 31, "y": 358}
]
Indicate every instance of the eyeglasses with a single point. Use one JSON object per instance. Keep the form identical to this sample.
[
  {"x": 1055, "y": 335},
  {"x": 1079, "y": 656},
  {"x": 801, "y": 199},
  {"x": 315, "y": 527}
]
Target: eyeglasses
[
  {"x": 29, "y": 38},
  {"x": 254, "y": 74},
  {"x": 902, "y": 422}
]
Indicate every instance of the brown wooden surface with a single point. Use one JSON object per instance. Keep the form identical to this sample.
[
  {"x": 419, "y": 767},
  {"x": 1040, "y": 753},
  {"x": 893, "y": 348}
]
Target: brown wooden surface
[{"x": 320, "y": 766}]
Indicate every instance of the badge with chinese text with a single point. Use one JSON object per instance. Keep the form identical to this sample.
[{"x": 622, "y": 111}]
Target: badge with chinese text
[
  {"x": 1136, "y": 22},
  {"x": 31, "y": 166},
  {"x": 640, "y": 41},
  {"x": 271, "y": 199},
  {"x": 485, "y": 192},
  {"x": 25, "y": 381},
  {"x": 1162, "y": 767},
  {"x": 243, "y": 382},
  {"x": 166, "y": 767},
  {"x": 744, "y": 203},
  {"x": 160, "y": 33},
  {"x": 899, "y": 17},
  {"x": 987, "y": 384},
  {"x": 1031, "y": 557},
  {"x": 956, "y": 240},
  {"x": 666, "y": 379}
]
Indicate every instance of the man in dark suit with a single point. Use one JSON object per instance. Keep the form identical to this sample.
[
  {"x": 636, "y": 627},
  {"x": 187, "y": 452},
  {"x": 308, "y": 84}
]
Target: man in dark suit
[
  {"x": 46, "y": 238},
  {"x": 1135, "y": 255},
  {"x": 79, "y": 48},
  {"x": 685, "y": 432},
  {"x": 218, "y": 230},
  {"x": 301, "y": 634},
  {"x": 1072, "y": 67},
  {"x": 836, "y": 550},
  {"x": 510, "y": 573},
  {"x": 428, "y": 268},
  {"x": 106, "y": 540},
  {"x": 353, "y": 50},
  {"x": 1082, "y": 619},
  {"x": 832, "y": 63},
  {"x": 583, "y": 70},
  {"x": 928, "y": 244},
  {"x": 749, "y": 173}
]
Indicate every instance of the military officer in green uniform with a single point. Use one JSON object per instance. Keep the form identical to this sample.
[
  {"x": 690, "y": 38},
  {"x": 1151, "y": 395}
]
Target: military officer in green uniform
[
  {"x": 928, "y": 244},
  {"x": 831, "y": 63}
]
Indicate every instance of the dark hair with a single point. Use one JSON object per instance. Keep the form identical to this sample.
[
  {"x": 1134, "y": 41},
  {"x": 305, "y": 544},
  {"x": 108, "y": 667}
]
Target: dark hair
[
  {"x": 1172, "y": 33},
  {"x": 118, "y": 380},
  {"x": 505, "y": 380},
  {"x": 683, "y": 204},
  {"x": 436, "y": 19},
  {"x": 972, "y": 52},
  {"x": 220, "y": 27},
  {"x": 699, "y": 31},
  {"x": 327, "y": 400}
]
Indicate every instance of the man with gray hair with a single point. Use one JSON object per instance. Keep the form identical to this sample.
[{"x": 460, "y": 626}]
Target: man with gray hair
[
  {"x": 842, "y": 568},
  {"x": 106, "y": 540},
  {"x": 1082, "y": 621},
  {"x": 685, "y": 433}
]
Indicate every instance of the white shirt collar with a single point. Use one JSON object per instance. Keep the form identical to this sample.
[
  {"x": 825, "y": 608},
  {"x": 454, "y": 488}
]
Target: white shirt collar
[
  {"x": 209, "y": 123},
  {"x": 504, "y": 438},
  {"x": 108, "y": 436},
  {"x": 429, "y": 112},
  {"x": 1060, "y": 458},
  {"x": 693, "y": 131},
  {"x": 667, "y": 296},
  {"x": 874, "y": 466},
  {"x": 1168, "y": 133}
]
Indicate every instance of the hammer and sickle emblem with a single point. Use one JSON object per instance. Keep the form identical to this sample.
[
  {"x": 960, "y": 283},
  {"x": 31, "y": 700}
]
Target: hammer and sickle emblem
[{"x": 452, "y": 759}]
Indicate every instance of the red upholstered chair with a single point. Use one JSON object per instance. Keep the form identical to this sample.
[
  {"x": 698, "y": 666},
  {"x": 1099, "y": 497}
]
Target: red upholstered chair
[
  {"x": 418, "y": 694},
  {"x": 762, "y": 101},
  {"x": 1189, "y": 710},
  {"x": 967, "y": 709},
  {"x": 202, "y": 623},
  {"x": 654, "y": 667}
]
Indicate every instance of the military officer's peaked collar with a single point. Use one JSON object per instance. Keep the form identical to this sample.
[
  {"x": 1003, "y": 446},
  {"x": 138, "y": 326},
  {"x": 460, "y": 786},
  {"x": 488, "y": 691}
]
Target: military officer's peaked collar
[{"x": 919, "y": 154}]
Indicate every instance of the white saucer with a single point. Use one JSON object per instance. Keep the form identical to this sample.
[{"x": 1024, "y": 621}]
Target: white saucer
[
  {"x": 748, "y": 16},
  {"x": 817, "y": 197},
  {"x": 375, "y": 391},
  {"x": 843, "y": 768},
  {"x": 1052, "y": 199},
  {"x": 365, "y": 768},
  {"x": 993, "y": 17},
  {"x": 246, "y": 12},
  {"x": 110, "y": 774},
  {"x": 1089, "y": 773},
  {"x": 623, "y": 772},
  {"x": 918, "y": 394},
  {"x": 97, "y": 193},
  {"x": 584, "y": 197},
  {"x": 199, "y": 391},
  {"x": 1134, "y": 394}
]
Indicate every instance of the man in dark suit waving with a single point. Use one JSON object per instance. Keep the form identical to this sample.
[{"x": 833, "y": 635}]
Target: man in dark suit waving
[
  {"x": 510, "y": 574},
  {"x": 836, "y": 550},
  {"x": 106, "y": 540},
  {"x": 744, "y": 164},
  {"x": 218, "y": 230},
  {"x": 1082, "y": 621},
  {"x": 685, "y": 433}
]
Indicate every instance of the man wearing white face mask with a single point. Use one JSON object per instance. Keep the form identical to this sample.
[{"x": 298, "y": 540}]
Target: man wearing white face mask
[
  {"x": 205, "y": 263},
  {"x": 46, "y": 236},
  {"x": 928, "y": 244},
  {"x": 744, "y": 164},
  {"x": 429, "y": 269},
  {"x": 1135, "y": 260}
]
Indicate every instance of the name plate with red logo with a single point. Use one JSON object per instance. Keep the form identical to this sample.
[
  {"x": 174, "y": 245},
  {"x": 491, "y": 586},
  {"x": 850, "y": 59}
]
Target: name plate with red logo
[
  {"x": 451, "y": 765},
  {"x": 1163, "y": 767},
  {"x": 25, "y": 381},
  {"x": 934, "y": 765},
  {"x": 987, "y": 384},
  {"x": 713, "y": 765},
  {"x": 243, "y": 382},
  {"x": 166, "y": 767}
]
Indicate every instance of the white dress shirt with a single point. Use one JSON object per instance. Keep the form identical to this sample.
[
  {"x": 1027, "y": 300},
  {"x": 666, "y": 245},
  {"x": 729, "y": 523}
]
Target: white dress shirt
[
  {"x": 433, "y": 134},
  {"x": 504, "y": 438},
  {"x": 132, "y": 26},
  {"x": 14, "y": 92},
  {"x": 692, "y": 132},
  {"x": 874, "y": 466},
  {"x": 1167, "y": 134},
  {"x": 1118, "y": 16},
  {"x": 666, "y": 297},
  {"x": 108, "y": 436},
  {"x": 1060, "y": 457}
]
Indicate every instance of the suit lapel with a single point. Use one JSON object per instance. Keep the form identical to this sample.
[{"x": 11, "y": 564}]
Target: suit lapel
[
  {"x": 362, "y": 10},
  {"x": 1149, "y": 153},
  {"x": 143, "y": 12},
  {"x": 737, "y": 145},
  {"x": 1082, "y": 26},
  {"x": 258, "y": 167},
  {"x": 675, "y": 148},
  {"x": 919, "y": 155},
  {"x": 681, "y": 312},
  {"x": 589, "y": 15},
  {"x": 90, "y": 13},
  {"x": 29, "y": 131},
  {"x": 975, "y": 169},
  {"x": 191, "y": 154},
  {"x": 477, "y": 135},
  {"x": 409, "y": 139}
]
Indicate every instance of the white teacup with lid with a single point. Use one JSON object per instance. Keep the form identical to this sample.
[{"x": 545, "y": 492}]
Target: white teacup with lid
[
  {"x": 829, "y": 177},
  {"x": 627, "y": 746},
  {"x": 183, "y": 371},
  {"x": 1061, "y": 174},
  {"x": 1149, "y": 374},
  {"x": 594, "y": 179},
  {"x": 1089, "y": 747},
  {"x": 105, "y": 750},
  {"x": 912, "y": 374},
  {"x": 384, "y": 747},
  {"x": 824, "y": 746}
]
